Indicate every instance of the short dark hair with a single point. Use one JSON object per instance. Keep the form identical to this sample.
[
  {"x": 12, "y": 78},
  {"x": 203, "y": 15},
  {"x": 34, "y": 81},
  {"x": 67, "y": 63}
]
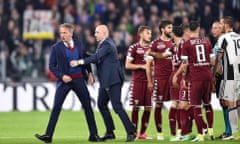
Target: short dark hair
[
  {"x": 68, "y": 26},
  {"x": 193, "y": 25},
  {"x": 184, "y": 26},
  {"x": 142, "y": 28},
  {"x": 163, "y": 24},
  {"x": 178, "y": 31},
  {"x": 229, "y": 21},
  {"x": 216, "y": 21}
]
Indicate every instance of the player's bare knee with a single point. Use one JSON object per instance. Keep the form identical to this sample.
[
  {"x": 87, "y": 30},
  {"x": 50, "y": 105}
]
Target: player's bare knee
[
  {"x": 231, "y": 104},
  {"x": 158, "y": 105},
  {"x": 174, "y": 104},
  {"x": 223, "y": 103},
  {"x": 184, "y": 105},
  {"x": 238, "y": 102}
]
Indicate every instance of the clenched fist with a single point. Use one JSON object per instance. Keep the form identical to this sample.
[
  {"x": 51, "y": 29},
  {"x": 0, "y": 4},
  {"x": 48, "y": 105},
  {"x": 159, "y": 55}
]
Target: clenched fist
[{"x": 75, "y": 63}]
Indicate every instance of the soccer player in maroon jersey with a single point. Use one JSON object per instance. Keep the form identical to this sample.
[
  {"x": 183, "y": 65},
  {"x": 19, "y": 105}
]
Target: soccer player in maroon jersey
[
  {"x": 174, "y": 113},
  {"x": 186, "y": 31},
  {"x": 162, "y": 70},
  {"x": 185, "y": 109},
  {"x": 175, "y": 52},
  {"x": 197, "y": 57},
  {"x": 180, "y": 111},
  {"x": 141, "y": 96}
]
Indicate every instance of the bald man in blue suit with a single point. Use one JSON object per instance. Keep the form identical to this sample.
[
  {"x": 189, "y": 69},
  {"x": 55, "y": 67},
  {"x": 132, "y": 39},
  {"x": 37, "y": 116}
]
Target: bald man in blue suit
[
  {"x": 69, "y": 78},
  {"x": 111, "y": 79}
]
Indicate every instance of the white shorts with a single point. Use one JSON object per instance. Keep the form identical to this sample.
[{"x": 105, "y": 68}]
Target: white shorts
[{"x": 230, "y": 90}]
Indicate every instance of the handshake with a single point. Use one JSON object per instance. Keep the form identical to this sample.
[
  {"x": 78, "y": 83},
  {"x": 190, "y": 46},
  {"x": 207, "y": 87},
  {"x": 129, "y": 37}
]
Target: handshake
[{"x": 75, "y": 63}]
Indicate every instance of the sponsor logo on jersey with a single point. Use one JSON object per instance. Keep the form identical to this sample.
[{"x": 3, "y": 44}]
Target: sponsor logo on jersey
[
  {"x": 140, "y": 51},
  {"x": 161, "y": 45}
]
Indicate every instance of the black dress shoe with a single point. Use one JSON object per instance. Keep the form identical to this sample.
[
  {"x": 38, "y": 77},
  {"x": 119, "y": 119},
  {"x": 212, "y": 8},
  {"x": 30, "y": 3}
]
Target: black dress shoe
[
  {"x": 108, "y": 136},
  {"x": 45, "y": 138},
  {"x": 130, "y": 137},
  {"x": 94, "y": 138}
]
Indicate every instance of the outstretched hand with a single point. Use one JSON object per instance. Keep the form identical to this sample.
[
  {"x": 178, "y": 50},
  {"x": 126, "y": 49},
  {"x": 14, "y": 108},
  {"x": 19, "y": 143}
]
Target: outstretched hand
[{"x": 74, "y": 63}]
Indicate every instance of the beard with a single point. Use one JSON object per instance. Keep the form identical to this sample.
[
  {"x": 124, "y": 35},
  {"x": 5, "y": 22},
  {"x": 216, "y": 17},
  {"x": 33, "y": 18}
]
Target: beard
[{"x": 167, "y": 35}]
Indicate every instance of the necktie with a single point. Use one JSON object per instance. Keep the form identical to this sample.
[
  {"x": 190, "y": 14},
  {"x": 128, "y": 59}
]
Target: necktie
[{"x": 69, "y": 45}]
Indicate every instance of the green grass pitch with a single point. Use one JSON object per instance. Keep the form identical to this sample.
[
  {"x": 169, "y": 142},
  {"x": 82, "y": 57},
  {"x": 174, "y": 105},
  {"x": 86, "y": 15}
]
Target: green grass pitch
[{"x": 20, "y": 127}]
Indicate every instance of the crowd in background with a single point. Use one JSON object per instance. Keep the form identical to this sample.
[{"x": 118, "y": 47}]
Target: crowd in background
[{"x": 29, "y": 58}]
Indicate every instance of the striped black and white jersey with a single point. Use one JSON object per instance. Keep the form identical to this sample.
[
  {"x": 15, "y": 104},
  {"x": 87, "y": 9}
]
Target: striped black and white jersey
[{"x": 230, "y": 44}]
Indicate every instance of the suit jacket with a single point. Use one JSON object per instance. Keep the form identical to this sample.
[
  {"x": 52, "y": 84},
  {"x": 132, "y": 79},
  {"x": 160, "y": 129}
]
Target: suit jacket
[
  {"x": 58, "y": 62},
  {"x": 108, "y": 67}
]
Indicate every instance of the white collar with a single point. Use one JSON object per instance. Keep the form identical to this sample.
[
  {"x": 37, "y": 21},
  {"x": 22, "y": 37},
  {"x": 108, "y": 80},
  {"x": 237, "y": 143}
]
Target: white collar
[
  {"x": 71, "y": 43},
  {"x": 102, "y": 41}
]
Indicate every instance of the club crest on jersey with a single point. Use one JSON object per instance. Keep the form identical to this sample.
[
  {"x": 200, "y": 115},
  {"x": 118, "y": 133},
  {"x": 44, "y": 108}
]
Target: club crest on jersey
[
  {"x": 140, "y": 51},
  {"x": 161, "y": 45},
  {"x": 160, "y": 97},
  {"x": 136, "y": 102}
]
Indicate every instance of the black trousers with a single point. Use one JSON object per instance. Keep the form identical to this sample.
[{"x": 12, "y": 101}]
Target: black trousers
[
  {"x": 113, "y": 94},
  {"x": 79, "y": 87}
]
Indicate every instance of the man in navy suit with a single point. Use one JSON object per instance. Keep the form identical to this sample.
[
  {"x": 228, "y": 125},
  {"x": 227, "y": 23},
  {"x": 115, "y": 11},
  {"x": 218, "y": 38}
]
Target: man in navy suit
[
  {"x": 111, "y": 79},
  {"x": 69, "y": 78}
]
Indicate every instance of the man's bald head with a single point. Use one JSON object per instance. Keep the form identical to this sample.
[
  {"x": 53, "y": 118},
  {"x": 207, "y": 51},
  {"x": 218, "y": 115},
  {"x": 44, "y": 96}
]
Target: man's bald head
[
  {"x": 101, "y": 32},
  {"x": 217, "y": 29}
]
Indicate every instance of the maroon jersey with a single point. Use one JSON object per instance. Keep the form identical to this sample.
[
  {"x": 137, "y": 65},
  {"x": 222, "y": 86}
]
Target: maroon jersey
[
  {"x": 162, "y": 67},
  {"x": 136, "y": 54},
  {"x": 198, "y": 52},
  {"x": 176, "y": 58}
]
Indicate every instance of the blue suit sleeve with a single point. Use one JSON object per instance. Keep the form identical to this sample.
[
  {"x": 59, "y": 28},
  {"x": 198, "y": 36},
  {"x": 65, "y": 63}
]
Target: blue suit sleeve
[
  {"x": 53, "y": 64},
  {"x": 100, "y": 53},
  {"x": 86, "y": 68}
]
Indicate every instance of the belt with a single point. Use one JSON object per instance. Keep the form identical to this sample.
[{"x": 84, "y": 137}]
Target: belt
[{"x": 78, "y": 75}]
